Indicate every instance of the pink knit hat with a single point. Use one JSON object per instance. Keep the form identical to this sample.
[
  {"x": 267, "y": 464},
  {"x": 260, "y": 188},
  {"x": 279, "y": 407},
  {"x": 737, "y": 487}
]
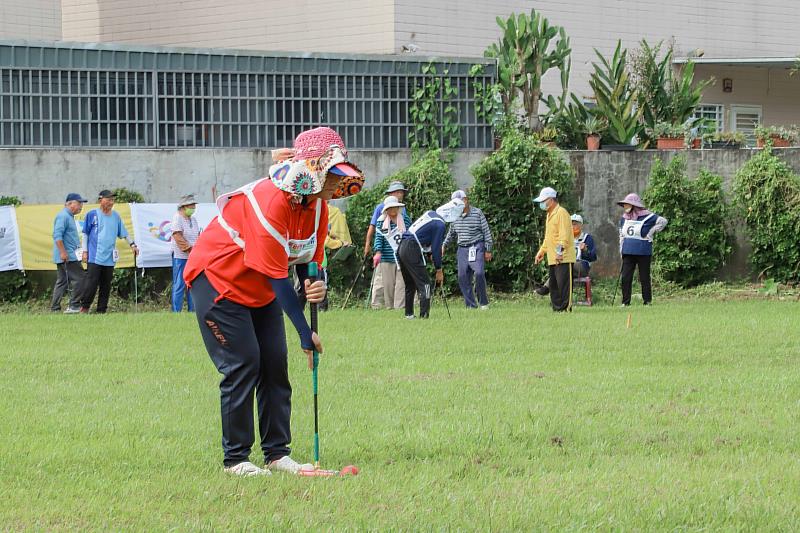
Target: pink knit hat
[{"x": 316, "y": 153}]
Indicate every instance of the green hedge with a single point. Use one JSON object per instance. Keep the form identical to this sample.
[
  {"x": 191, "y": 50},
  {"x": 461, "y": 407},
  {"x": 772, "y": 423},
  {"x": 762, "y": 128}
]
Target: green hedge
[
  {"x": 767, "y": 194},
  {"x": 697, "y": 240}
]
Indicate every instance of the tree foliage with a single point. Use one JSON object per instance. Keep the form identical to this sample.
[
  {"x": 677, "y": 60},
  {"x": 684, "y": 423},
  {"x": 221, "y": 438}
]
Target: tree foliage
[
  {"x": 505, "y": 184},
  {"x": 697, "y": 241}
]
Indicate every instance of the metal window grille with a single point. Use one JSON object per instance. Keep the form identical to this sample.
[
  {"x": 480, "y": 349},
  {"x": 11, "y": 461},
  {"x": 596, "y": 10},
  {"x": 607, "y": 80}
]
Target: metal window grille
[
  {"x": 712, "y": 112},
  {"x": 112, "y": 97}
]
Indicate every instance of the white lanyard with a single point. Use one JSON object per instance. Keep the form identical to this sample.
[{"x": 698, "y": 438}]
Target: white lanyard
[
  {"x": 580, "y": 240},
  {"x": 393, "y": 236},
  {"x": 299, "y": 251}
]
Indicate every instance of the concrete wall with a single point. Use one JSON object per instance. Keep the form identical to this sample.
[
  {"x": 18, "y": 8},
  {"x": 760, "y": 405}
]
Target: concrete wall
[
  {"x": 303, "y": 25},
  {"x": 602, "y": 178},
  {"x": 46, "y": 176},
  {"x": 30, "y": 19}
]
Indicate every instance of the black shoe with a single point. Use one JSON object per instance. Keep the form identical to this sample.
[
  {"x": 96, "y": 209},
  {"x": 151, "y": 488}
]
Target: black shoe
[{"x": 542, "y": 291}]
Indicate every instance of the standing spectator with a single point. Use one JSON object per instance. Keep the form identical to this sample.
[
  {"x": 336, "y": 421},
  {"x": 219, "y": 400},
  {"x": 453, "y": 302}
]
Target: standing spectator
[
  {"x": 392, "y": 224},
  {"x": 636, "y": 229},
  {"x": 559, "y": 246},
  {"x": 102, "y": 228},
  {"x": 185, "y": 230},
  {"x": 585, "y": 253},
  {"x": 67, "y": 255},
  {"x": 398, "y": 190},
  {"x": 474, "y": 240},
  {"x": 426, "y": 235}
]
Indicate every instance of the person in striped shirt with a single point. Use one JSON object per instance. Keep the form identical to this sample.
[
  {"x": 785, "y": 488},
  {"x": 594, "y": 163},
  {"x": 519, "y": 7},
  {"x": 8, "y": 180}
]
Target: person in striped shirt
[
  {"x": 185, "y": 231},
  {"x": 474, "y": 239},
  {"x": 389, "y": 232}
]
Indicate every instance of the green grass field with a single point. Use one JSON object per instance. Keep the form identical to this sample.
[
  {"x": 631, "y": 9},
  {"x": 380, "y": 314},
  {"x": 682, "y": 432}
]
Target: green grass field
[{"x": 512, "y": 419}]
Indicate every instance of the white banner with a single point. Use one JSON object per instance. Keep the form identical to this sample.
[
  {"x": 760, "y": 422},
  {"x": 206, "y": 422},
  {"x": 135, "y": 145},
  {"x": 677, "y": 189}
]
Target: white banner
[
  {"x": 10, "y": 253},
  {"x": 152, "y": 230}
]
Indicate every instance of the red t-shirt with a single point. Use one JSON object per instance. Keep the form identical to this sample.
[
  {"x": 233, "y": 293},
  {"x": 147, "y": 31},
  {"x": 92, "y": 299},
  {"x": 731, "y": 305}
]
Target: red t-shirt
[{"x": 241, "y": 275}]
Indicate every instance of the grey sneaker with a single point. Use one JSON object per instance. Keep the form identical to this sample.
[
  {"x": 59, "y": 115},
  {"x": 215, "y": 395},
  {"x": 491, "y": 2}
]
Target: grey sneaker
[
  {"x": 410, "y": 317},
  {"x": 287, "y": 464},
  {"x": 246, "y": 469},
  {"x": 72, "y": 310},
  {"x": 485, "y": 307}
]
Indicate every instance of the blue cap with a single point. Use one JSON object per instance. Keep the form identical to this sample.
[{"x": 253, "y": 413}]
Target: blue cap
[{"x": 75, "y": 196}]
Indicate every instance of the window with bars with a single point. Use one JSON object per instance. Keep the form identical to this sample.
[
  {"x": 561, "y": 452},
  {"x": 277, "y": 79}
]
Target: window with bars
[
  {"x": 130, "y": 108},
  {"x": 713, "y": 113}
]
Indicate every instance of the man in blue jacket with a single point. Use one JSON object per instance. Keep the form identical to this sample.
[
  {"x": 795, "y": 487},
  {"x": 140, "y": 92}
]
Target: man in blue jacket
[
  {"x": 102, "y": 228},
  {"x": 425, "y": 235},
  {"x": 67, "y": 255}
]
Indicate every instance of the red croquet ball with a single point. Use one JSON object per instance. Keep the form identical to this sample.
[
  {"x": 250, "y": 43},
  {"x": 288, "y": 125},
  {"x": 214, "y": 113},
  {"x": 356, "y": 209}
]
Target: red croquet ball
[{"x": 351, "y": 470}]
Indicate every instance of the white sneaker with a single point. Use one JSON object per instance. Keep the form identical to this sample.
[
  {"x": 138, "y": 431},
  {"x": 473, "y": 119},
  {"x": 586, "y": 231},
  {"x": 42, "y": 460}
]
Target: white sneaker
[
  {"x": 246, "y": 469},
  {"x": 410, "y": 317},
  {"x": 287, "y": 464},
  {"x": 72, "y": 310},
  {"x": 485, "y": 307}
]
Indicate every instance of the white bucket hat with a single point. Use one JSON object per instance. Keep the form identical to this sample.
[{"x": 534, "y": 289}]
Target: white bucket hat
[
  {"x": 391, "y": 201},
  {"x": 451, "y": 210}
]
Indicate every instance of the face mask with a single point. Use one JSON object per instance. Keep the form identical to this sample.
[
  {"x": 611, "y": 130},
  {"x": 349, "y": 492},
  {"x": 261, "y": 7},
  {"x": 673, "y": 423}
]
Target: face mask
[
  {"x": 543, "y": 206},
  {"x": 189, "y": 211},
  {"x": 628, "y": 209}
]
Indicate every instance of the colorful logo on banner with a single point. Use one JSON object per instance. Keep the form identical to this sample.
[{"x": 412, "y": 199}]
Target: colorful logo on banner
[{"x": 162, "y": 232}]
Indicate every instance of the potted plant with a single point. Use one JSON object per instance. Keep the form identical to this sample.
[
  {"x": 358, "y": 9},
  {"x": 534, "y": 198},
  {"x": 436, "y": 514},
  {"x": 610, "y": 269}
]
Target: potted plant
[
  {"x": 726, "y": 139},
  {"x": 778, "y": 136},
  {"x": 696, "y": 129},
  {"x": 548, "y": 136},
  {"x": 592, "y": 128},
  {"x": 669, "y": 136}
]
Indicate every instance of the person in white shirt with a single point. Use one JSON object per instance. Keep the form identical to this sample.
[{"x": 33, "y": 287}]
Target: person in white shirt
[{"x": 185, "y": 230}]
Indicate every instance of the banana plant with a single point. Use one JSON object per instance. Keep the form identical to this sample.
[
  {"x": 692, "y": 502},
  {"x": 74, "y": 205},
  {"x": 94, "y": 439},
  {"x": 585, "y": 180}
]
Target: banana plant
[
  {"x": 616, "y": 97},
  {"x": 528, "y": 48}
]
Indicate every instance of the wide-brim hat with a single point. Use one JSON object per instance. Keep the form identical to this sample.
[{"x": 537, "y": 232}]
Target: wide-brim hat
[
  {"x": 389, "y": 202},
  {"x": 396, "y": 186},
  {"x": 316, "y": 153},
  {"x": 632, "y": 199},
  {"x": 187, "y": 200},
  {"x": 451, "y": 210}
]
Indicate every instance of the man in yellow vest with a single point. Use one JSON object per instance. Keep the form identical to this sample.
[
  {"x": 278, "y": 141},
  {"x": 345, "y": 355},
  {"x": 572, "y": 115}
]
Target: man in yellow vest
[{"x": 559, "y": 246}]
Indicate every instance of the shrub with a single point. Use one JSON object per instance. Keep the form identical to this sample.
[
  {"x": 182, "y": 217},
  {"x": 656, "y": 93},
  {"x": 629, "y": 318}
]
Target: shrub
[
  {"x": 505, "y": 184},
  {"x": 14, "y": 287},
  {"x": 768, "y": 194},
  {"x": 697, "y": 240},
  {"x": 10, "y": 200},
  {"x": 124, "y": 196},
  {"x": 429, "y": 182}
]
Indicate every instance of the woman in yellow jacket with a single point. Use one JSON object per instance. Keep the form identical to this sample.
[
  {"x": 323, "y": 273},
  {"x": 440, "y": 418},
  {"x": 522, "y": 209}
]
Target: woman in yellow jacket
[{"x": 559, "y": 246}]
